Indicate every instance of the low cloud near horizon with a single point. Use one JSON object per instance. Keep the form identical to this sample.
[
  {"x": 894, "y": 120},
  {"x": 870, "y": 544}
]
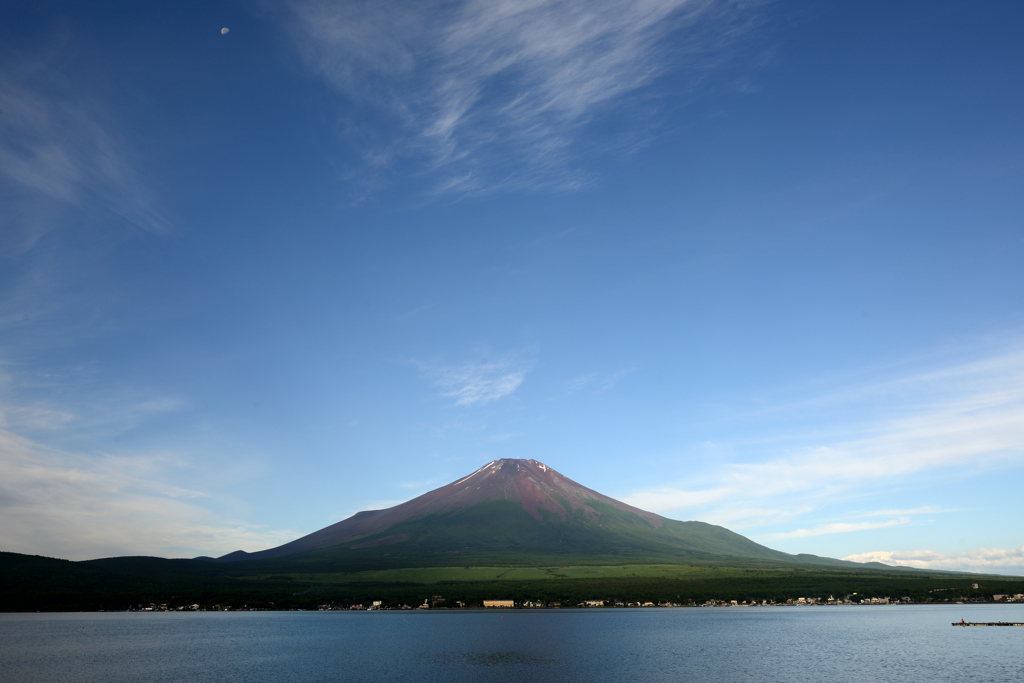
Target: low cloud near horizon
[
  {"x": 78, "y": 507},
  {"x": 985, "y": 560},
  {"x": 957, "y": 419}
]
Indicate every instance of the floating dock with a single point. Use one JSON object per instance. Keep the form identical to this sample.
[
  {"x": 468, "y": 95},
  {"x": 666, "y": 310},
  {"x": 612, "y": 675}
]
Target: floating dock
[{"x": 987, "y": 623}]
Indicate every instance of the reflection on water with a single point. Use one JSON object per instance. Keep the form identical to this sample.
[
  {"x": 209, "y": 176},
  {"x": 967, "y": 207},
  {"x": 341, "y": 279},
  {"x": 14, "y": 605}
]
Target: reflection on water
[
  {"x": 493, "y": 658},
  {"x": 777, "y": 645}
]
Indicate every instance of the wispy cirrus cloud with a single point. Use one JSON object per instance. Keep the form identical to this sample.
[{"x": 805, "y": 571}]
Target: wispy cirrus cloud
[
  {"x": 59, "y": 151},
  {"x": 997, "y": 560},
  {"x": 494, "y": 93},
  {"x": 481, "y": 382}
]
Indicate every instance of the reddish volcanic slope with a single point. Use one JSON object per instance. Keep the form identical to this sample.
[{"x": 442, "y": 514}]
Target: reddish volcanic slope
[{"x": 533, "y": 485}]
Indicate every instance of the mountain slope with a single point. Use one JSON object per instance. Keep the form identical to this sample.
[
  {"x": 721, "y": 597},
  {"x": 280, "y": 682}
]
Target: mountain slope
[{"x": 517, "y": 512}]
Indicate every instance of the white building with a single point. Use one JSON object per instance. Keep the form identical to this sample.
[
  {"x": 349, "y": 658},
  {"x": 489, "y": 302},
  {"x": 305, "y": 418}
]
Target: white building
[{"x": 499, "y": 603}]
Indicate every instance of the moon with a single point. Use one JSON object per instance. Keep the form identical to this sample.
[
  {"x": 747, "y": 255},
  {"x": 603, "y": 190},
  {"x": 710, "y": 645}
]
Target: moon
[{"x": 224, "y": 31}]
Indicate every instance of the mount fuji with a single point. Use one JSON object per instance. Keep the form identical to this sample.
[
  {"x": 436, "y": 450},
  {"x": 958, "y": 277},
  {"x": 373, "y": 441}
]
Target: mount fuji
[{"x": 519, "y": 512}]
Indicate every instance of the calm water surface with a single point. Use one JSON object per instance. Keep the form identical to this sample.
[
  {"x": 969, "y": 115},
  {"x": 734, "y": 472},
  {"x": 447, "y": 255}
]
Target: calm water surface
[{"x": 836, "y": 644}]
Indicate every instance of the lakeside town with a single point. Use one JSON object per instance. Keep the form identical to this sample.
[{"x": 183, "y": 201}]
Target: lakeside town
[{"x": 438, "y": 602}]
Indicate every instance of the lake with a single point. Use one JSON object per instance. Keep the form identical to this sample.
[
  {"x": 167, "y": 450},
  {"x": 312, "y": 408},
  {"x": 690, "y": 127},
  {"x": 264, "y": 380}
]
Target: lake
[{"x": 836, "y": 644}]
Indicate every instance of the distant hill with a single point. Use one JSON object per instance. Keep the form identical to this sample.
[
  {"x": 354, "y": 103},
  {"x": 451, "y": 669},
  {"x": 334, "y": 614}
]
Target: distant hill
[
  {"x": 31, "y": 583},
  {"x": 519, "y": 512}
]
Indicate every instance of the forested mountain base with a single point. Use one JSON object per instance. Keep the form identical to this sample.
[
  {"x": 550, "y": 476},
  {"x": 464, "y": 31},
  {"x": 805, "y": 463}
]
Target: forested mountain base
[{"x": 32, "y": 583}]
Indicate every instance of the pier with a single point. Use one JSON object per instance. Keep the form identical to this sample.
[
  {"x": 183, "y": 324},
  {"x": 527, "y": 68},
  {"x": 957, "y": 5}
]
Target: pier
[{"x": 987, "y": 623}]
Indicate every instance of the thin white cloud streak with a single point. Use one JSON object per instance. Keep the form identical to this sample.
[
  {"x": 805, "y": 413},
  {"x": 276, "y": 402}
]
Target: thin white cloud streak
[
  {"x": 982, "y": 559},
  {"x": 986, "y": 376},
  {"x": 596, "y": 382},
  {"x": 834, "y": 528},
  {"x": 978, "y": 420},
  {"x": 75, "y": 506},
  {"x": 479, "y": 83},
  {"x": 483, "y": 382},
  {"x": 898, "y": 517},
  {"x": 923, "y": 510},
  {"x": 58, "y": 151},
  {"x": 35, "y": 418}
]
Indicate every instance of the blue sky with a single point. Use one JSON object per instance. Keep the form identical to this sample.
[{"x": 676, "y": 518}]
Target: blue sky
[{"x": 754, "y": 263}]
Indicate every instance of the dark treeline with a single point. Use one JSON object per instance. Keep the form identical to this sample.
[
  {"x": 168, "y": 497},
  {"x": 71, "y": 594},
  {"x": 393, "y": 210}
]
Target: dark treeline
[{"x": 30, "y": 583}]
